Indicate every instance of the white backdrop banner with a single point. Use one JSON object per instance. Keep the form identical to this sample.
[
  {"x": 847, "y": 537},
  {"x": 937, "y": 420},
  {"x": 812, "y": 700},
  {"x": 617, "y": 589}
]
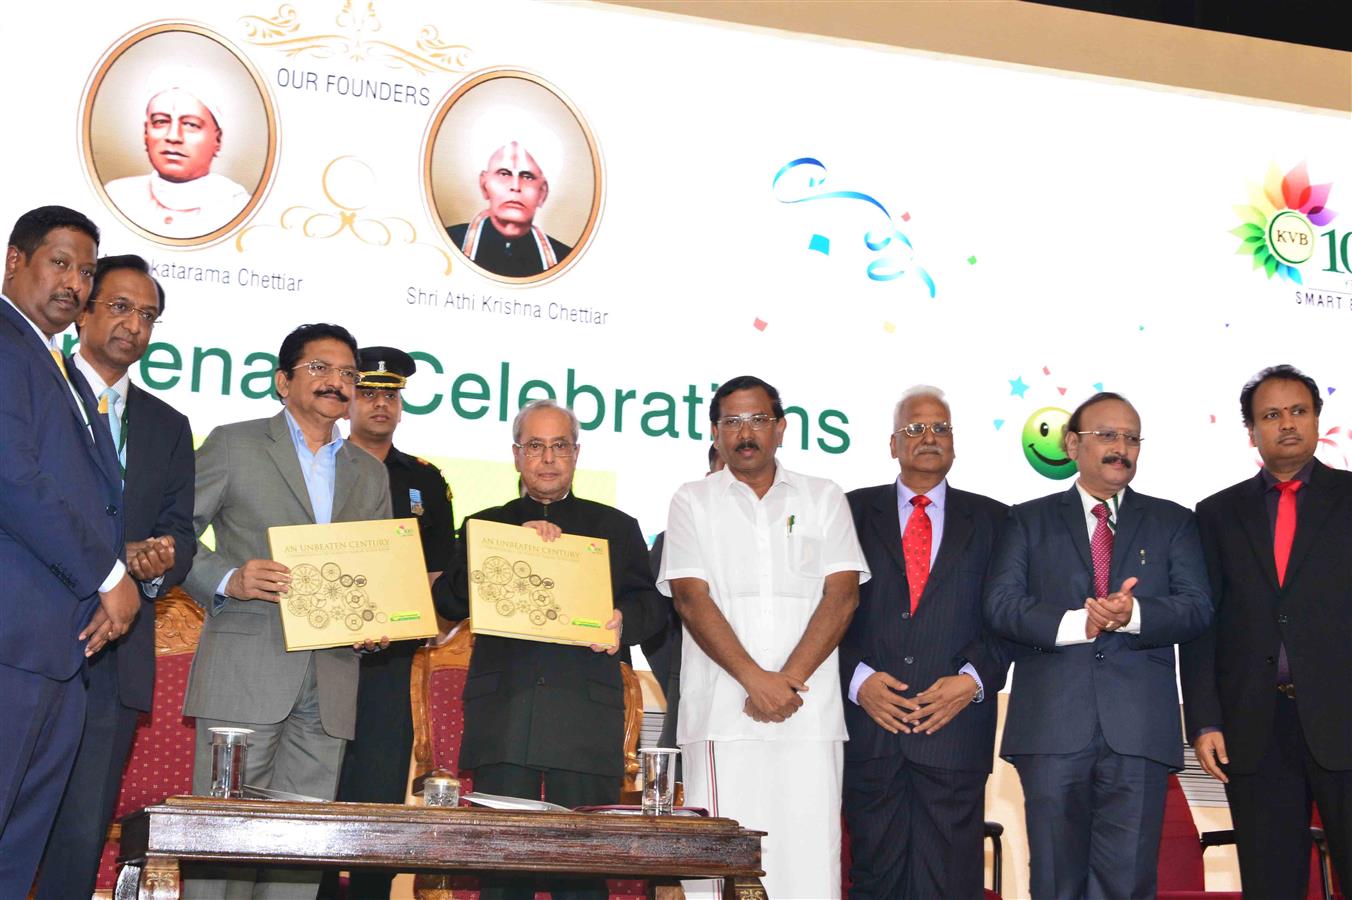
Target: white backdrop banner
[{"x": 681, "y": 203}]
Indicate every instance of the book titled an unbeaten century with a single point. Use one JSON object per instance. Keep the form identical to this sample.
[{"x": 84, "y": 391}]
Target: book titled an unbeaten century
[
  {"x": 353, "y": 581},
  {"x": 521, "y": 586}
]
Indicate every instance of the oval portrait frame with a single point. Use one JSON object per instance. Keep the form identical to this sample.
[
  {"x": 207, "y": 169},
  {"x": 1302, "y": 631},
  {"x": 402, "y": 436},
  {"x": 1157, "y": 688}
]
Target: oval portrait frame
[
  {"x": 429, "y": 145},
  {"x": 96, "y": 79}
]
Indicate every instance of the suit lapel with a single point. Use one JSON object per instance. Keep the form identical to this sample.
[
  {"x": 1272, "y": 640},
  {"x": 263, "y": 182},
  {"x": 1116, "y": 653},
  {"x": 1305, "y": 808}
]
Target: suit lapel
[
  {"x": 952, "y": 542},
  {"x": 1253, "y": 517},
  {"x": 1316, "y": 509},
  {"x": 887, "y": 527},
  {"x": 1072, "y": 515},
  {"x": 101, "y": 448},
  {"x": 344, "y": 479},
  {"x": 283, "y": 453},
  {"x": 1130, "y": 514}
]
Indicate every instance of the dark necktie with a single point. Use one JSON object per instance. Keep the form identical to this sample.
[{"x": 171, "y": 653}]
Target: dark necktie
[
  {"x": 915, "y": 548},
  {"x": 1101, "y": 549},
  {"x": 1282, "y": 538}
]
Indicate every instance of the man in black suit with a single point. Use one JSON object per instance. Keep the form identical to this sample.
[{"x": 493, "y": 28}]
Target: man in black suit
[
  {"x": 1096, "y": 584},
  {"x": 154, "y": 444},
  {"x": 1265, "y": 689},
  {"x": 920, "y": 671},
  {"x": 65, "y": 591},
  {"x": 548, "y": 719}
]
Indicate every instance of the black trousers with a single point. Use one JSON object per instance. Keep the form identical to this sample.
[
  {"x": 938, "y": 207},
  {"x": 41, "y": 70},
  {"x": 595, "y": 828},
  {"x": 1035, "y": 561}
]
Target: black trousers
[
  {"x": 70, "y": 863},
  {"x": 561, "y": 787},
  {"x": 1271, "y": 813},
  {"x": 916, "y": 831},
  {"x": 375, "y": 764}
]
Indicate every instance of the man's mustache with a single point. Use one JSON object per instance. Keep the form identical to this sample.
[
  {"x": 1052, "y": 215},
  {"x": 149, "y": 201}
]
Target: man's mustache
[
  {"x": 66, "y": 294},
  {"x": 928, "y": 448},
  {"x": 748, "y": 444},
  {"x": 1117, "y": 457},
  {"x": 336, "y": 393}
]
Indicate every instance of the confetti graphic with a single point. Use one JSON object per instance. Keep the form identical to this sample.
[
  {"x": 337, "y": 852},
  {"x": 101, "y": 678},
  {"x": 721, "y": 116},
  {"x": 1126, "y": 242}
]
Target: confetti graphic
[
  {"x": 999, "y": 423},
  {"x": 821, "y": 244},
  {"x": 760, "y": 324},
  {"x": 1017, "y": 388}
]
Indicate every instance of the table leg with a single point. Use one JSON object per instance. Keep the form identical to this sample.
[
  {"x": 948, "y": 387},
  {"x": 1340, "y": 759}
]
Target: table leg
[
  {"x": 743, "y": 887},
  {"x": 160, "y": 880},
  {"x": 128, "y": 879}
]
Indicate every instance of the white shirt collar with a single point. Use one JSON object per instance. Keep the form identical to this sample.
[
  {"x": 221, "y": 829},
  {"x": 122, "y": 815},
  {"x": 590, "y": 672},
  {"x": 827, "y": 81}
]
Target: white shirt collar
[
  {"x": 96, "y": 383},
  {"x": 782, "y": 476},
  {"x": 1089, "y": 501},
  {"x": 937, "y": 494}
]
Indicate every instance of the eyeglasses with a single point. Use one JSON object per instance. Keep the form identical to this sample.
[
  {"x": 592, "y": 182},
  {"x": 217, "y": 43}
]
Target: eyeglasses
[
  {"x": 371, "y": 395},
  {"x": 120, "y": 309},
  {"x": 754, "y": 421},
  {"x": 1110, "y": 437},
  {"x": 536, "y": 449},
  {"x": 918, "y": 429},
  {"x": 318, "y": 368}
]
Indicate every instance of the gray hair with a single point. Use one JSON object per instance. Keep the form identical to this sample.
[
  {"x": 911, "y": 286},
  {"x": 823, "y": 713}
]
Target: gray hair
[
  {"x": 919, "y": 390},
  {"x": 531, "y": 407}
]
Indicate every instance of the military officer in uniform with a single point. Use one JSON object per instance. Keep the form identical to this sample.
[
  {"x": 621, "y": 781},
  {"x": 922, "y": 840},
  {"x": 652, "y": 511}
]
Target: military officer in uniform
[{"x": 375, "y": 768}]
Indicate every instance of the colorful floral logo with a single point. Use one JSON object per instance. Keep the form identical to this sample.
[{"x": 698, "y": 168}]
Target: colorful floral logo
[{"x": 1279, "y": 221}]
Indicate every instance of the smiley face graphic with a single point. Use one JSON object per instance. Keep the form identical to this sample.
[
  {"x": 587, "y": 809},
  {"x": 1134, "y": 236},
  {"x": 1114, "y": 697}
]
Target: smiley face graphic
[{"x": 1042, "y": 443}]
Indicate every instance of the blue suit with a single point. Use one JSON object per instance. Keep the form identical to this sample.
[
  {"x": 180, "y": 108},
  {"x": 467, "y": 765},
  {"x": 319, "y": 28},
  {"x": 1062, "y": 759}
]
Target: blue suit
[
  {"x": 1094, "y": 728},
  {"x": 61, "y": 533}
]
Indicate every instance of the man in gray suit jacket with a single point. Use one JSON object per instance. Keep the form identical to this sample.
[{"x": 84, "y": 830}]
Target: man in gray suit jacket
[{"x": 292, "y": 469}]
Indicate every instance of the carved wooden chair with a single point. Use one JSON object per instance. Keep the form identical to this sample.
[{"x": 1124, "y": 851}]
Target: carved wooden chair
[
  {"x": 160, "y": 764},
  {"x": 436, "y": 687}
]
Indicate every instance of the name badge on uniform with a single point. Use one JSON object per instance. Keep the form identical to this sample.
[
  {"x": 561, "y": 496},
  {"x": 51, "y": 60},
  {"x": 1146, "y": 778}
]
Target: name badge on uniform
[{"x": 415, "y": 501}]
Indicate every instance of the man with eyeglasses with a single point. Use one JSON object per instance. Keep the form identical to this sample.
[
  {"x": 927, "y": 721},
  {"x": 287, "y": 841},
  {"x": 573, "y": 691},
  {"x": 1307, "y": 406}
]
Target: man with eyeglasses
[
  {"x": 764, "y": 567},
  {"x": 1265, "y": 691},
  {"x": 920, "y": 670},
  {"x": 375, "y": 766},
  {"x": 1096, "y": 585},
  {"x": 154, "y": 448},
  {"x": 547, "y": 720},
  {"x": 292, "y": 469}
]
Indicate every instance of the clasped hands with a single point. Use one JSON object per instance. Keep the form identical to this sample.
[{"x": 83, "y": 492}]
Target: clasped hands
[
  {"x": 266, "y": 580},
  {"x": 881, "y": 697},
  {"x": 117, "y": 609},
  {"x": 1109, "y": 613}
]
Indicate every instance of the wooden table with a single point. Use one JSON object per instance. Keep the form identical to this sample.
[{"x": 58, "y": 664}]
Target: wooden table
[{"x": 421, "y": 839}]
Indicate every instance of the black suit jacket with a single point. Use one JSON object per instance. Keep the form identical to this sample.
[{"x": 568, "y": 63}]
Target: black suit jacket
[
  {"x": 1229, "y": 673},
  {"x": 946, "y": 632},
  {"x": 554, "y": 706},
  {"x": 157, "y": 500}
]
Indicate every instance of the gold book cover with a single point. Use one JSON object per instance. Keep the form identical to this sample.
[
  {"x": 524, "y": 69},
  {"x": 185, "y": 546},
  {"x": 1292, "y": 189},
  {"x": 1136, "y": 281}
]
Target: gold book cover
[
  {"x": 351, "y": 581},
  {"x": 522, "y": 587}
]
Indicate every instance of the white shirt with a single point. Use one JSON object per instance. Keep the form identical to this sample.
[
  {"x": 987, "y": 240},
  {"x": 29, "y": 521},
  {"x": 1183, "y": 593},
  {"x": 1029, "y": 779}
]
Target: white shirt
[
  {"x": 765, "y": 561},
  {"x": 96, "y": 384},
  {"x": 178, "y": 209},
  {"x": 119, "y": 569},
  {"x": 1071, "y": 630}
]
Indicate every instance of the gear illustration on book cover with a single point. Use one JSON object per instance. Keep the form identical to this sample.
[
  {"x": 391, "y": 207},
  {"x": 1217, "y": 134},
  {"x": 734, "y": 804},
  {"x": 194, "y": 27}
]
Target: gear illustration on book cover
[
  {"x": 513, "y": 588},
  {"x": 326, "y": 595}
]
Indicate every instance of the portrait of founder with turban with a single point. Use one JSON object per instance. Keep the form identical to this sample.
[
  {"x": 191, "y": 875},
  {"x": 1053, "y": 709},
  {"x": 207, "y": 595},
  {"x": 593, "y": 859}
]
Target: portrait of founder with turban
[
  {"x": 513, "y": 175},
  {"x": 184, "y": 130},
  {"x": 179, "y": 133}
]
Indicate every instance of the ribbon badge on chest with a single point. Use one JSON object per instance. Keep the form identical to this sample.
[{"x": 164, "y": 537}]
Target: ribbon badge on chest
[{"x": 415, "y": 503}]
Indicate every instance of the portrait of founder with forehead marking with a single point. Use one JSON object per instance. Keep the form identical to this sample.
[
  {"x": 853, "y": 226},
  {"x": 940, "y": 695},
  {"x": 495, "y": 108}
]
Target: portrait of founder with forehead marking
[
  {"x": 513, "y": 176},
  {"x": 179, "y": 134}
]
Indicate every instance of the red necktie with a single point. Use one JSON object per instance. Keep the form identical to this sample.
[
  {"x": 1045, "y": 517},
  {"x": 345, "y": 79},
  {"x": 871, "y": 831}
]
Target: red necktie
[
  {"x": 1101, "y": 549},
  {"x": 915, "y": 548},
  {"x": 1285, "y": 531}
]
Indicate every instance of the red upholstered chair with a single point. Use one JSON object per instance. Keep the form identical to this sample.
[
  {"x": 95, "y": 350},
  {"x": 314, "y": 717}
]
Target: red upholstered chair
[
  {"x": 437, "y": 686},
  {"x": 1182, "y": 875},
  {"x": 160, "y": 764}
]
